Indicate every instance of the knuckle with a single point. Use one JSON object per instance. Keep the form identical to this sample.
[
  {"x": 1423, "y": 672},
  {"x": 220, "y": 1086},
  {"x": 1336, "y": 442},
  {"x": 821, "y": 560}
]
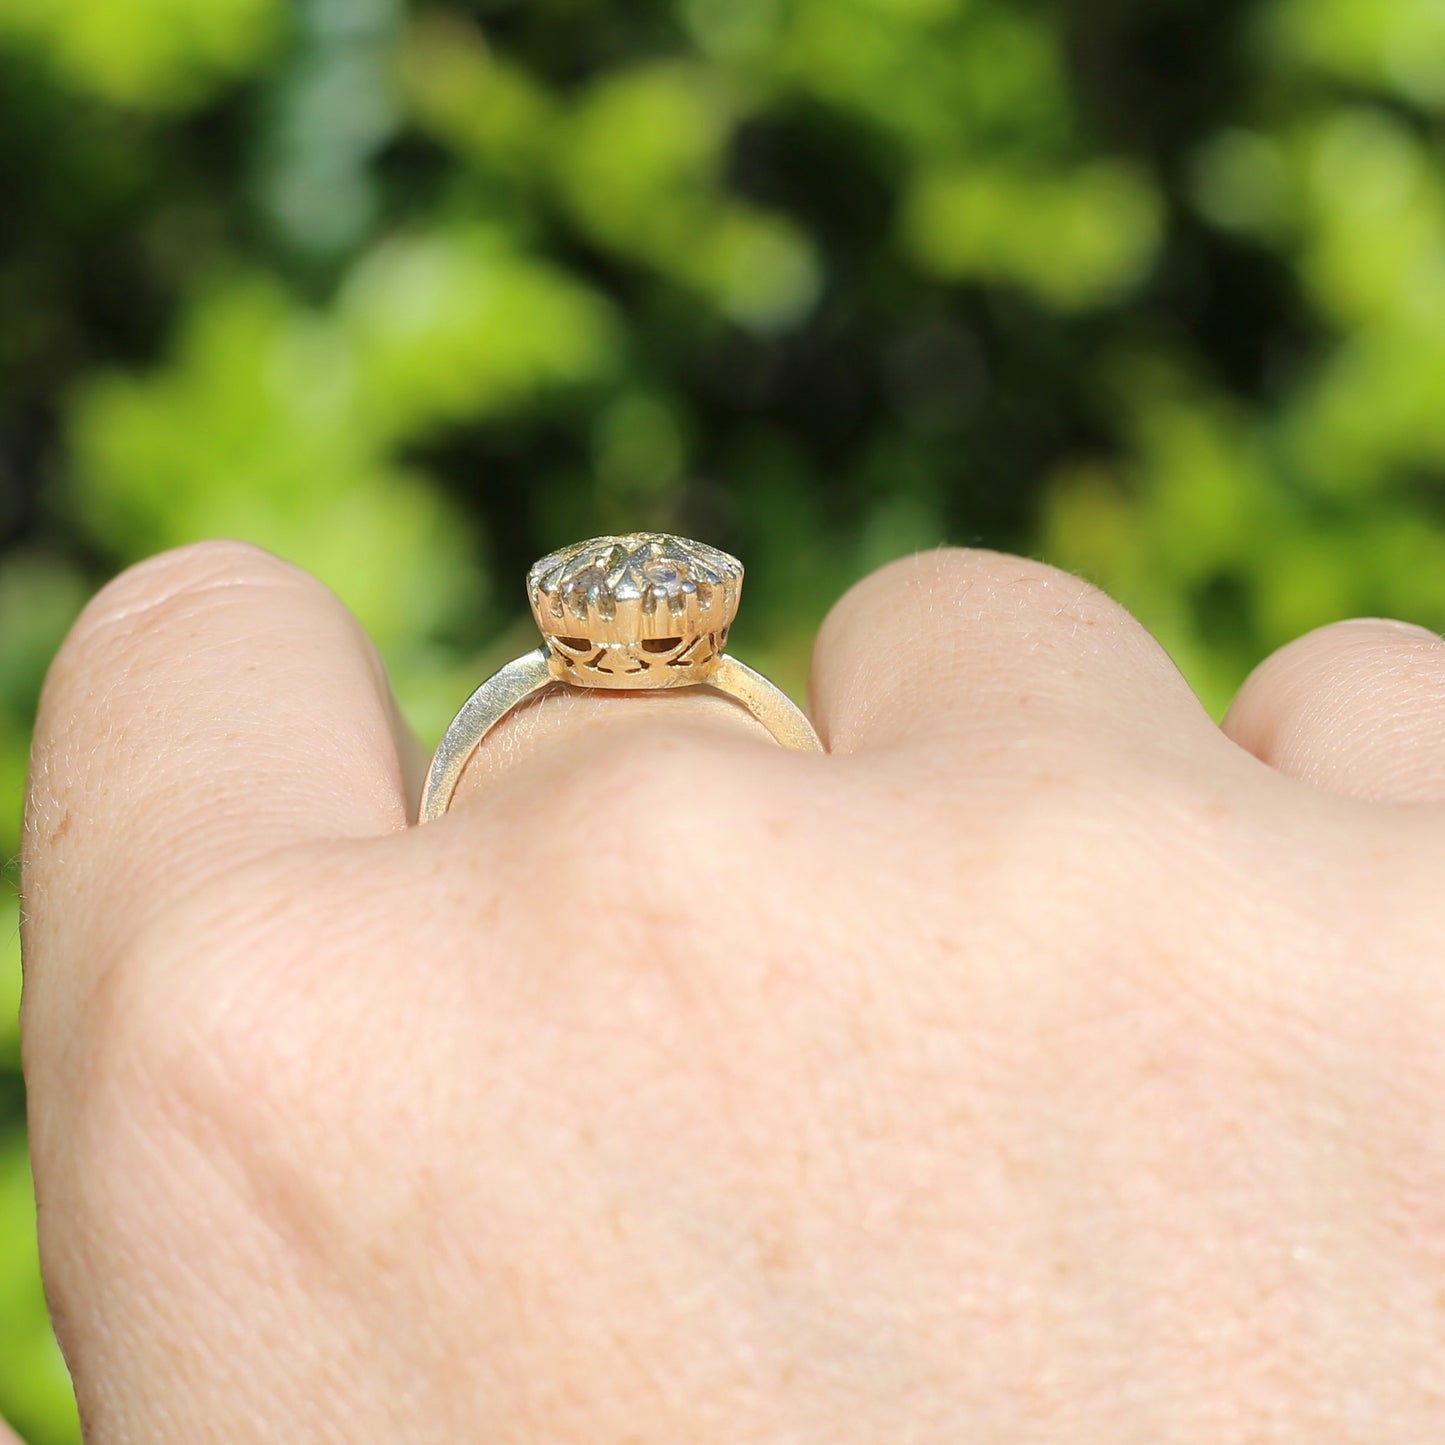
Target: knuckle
[
  {"x": 1399, "y": 655},
  {"x": 173, "y": 576},
  {"x": 1362, "y": 643},
  {"x": 124, "y": 640},
  {"x": 130, "y": 620},
  {"x": 185, "y": 1121},
  {"x": 1391, "y": 673},
  {"x": 1124, "y": 844},
  {"x": 608, "y": 789},
  {"x": 986, "y": 585},
  {"x": 657, "y": 816},
  {"x": 113, "y": 1169},
  {"x": 1376, "y": 634},
  {"x": 215, "y": 1025}
]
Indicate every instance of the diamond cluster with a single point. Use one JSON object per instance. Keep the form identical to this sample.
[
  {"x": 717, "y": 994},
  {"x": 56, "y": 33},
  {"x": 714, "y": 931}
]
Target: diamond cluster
[{"x": 644, "y": 585}]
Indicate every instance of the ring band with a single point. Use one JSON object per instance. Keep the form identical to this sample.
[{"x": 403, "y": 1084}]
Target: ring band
[{"x": 637, "y": 613}]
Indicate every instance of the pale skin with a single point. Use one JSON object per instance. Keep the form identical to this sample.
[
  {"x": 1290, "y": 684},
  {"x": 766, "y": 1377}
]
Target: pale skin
[{"x": 1045, "y": 1064}]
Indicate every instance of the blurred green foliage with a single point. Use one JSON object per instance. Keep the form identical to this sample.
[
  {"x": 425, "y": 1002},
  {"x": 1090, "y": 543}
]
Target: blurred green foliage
[{"x": 1154, "y": 289}]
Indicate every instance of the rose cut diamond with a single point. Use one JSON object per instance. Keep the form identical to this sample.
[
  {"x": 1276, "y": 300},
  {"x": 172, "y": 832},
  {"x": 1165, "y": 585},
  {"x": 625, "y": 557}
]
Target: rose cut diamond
[{"x": 617, "y": 593}]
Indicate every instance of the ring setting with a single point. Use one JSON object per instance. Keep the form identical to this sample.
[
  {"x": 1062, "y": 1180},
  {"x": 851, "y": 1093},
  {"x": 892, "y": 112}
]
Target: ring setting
[
  {"x": 638, "y": 612},
  {"x": 643, "y": 611}
]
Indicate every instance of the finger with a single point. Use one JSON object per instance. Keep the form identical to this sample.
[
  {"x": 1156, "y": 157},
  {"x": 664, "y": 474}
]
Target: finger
[
  {"x": 210, "y": 705},
  {"x": 956, "y": 643},
  {"x": 1356, "y": 707},
  {"x": 8, "y": 1436}
]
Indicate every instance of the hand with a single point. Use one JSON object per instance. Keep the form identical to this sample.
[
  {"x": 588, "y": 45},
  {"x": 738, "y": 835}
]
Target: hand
[{"x": 1040, "y": 1066}]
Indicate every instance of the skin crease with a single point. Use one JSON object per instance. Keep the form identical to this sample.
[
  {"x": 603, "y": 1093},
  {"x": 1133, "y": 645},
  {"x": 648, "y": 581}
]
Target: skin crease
[{"x": 1045, "y": 1064}]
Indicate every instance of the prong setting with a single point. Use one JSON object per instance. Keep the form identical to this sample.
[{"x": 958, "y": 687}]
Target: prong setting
[{"x": 614, "y": 594}]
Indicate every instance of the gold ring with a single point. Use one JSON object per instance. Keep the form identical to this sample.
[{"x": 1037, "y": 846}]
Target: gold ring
[{"x": 637, "y": 613}]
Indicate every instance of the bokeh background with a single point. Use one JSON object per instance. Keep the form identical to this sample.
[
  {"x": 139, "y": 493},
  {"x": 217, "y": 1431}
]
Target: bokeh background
[{"x": 1153, "y": 289}]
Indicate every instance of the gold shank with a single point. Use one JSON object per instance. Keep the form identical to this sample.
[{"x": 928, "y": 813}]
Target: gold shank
[{"x": 513, "y": 684}]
